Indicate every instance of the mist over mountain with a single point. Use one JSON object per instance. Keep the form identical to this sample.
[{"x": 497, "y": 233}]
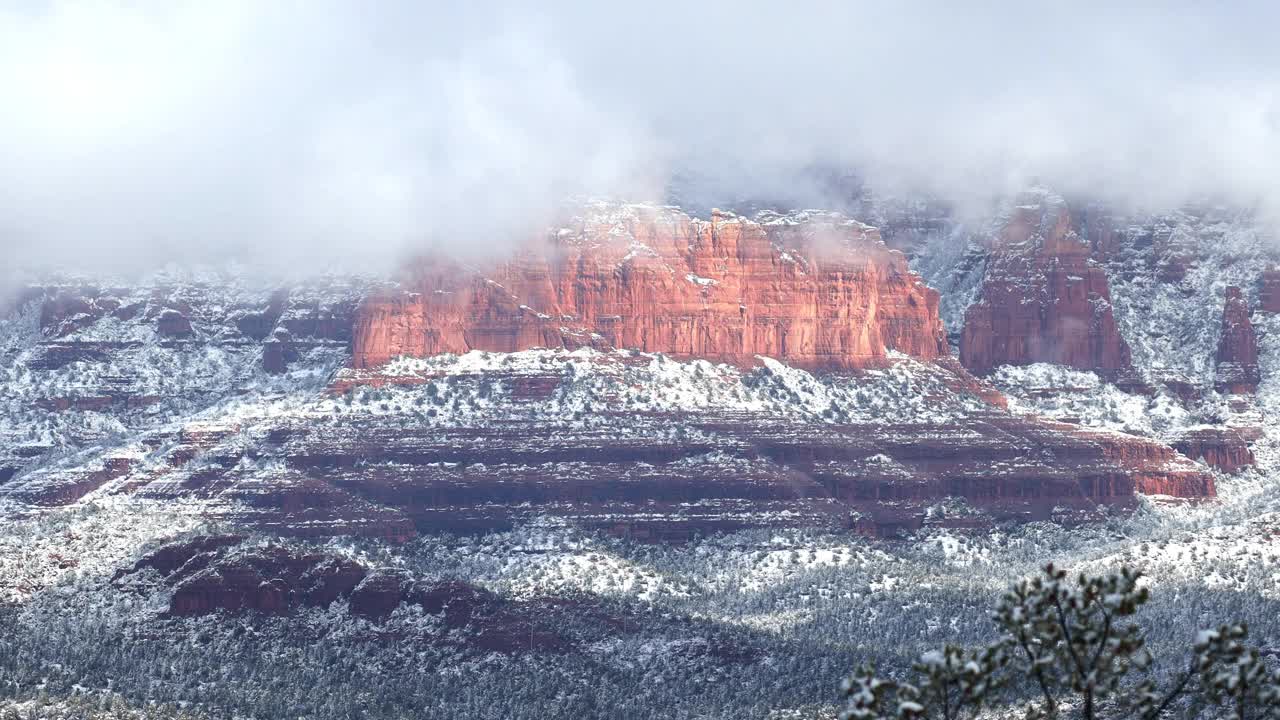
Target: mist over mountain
[{"x": 529, "y": 360}]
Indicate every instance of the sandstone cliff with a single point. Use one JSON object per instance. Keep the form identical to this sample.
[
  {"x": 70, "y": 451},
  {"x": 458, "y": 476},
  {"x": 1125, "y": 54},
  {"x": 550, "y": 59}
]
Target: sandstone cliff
[{"x": 820, "y": 293}]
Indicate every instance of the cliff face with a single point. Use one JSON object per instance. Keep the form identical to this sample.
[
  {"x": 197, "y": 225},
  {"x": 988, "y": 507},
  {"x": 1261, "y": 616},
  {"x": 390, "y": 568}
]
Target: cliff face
[
  {"x": 1043, "y": 299},
  {"x": 1237, "y": 358},
  {"x": 822, "y": 293}
]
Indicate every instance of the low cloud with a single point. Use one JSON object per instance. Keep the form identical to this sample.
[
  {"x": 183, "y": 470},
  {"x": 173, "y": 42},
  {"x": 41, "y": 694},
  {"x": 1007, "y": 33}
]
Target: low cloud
[{"x": 329, "y": 133}]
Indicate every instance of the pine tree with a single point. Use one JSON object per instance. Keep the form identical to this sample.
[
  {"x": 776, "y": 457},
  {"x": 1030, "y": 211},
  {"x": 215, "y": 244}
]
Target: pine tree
[{"x": 1072, "y": 641}]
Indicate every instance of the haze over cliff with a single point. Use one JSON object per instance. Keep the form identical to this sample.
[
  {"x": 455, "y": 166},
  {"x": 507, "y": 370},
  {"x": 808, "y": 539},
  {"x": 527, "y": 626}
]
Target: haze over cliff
[{"x": 325, "y": 132}]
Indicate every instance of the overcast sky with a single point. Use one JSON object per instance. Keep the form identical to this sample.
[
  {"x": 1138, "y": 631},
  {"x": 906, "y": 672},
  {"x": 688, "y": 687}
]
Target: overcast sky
[{"x": 290, "y": 131}]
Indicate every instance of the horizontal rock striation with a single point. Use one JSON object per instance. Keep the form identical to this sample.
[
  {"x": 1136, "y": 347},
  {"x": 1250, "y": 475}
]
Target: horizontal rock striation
[
  {"x": 655, "y": 449},
  {"x": 821, "y": 292},
  {"x": 82, "y": 322}
]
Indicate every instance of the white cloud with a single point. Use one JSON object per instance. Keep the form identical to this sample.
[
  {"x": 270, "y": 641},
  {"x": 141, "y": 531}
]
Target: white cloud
[{"x": 287, "y": 131}]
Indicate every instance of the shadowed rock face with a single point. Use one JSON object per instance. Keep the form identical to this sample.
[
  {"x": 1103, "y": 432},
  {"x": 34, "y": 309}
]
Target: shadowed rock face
[
  {"x": 1237, "y": 358},
  {"x": 219, "y": 574},
  {"x": 816, "y": 293},
  {"x": 1269, "y": 290},
  {"x": 1043, "y": 299},
  {"x": 213, "y": 573}
]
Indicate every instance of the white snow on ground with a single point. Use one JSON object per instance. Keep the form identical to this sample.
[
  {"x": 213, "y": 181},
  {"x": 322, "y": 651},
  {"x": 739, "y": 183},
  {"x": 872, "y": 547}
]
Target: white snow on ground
[
  {"x": 41, "y": 548},
  {"x": 1062, "y": 393},
  {"x": 593, "y": 381},
  {"x": 171, "y": 380}
]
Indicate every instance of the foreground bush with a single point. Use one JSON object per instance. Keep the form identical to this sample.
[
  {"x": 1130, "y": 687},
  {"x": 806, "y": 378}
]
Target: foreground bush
[{"x": 1069, "y": 640}]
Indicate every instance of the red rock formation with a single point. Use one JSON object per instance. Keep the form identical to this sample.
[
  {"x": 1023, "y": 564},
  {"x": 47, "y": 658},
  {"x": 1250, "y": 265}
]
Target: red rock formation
[
  {"x": 1152, "y": 468},
  {"x": 1174, "y": 255},
  {"x": 1269, "y": 293},
  {"x": 167, "y": 559},
  {"x": 212, "y": 573},
  {"x": 288, "y": 323},
  {"x": 320, "y": 321},
  {"x": 1237, "y": 358},
  {"x": 820, "y": 294},
  {"x": 52, "y": 487},
  {"x": 1043, "y": 299},
  {"x": 1226, "y": 449}
]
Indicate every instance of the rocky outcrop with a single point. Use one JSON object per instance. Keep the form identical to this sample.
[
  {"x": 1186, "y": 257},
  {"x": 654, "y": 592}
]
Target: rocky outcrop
[
  {"x": 258, "y": 324},
  {"x": 173, "y": 324},
  {"x": 822, "y": 292},
  {"x": 70, "y": 309},
  {"x": 1043, "y": 298},
  {"x": 1237, "y": 356},
  {"x": 52, "y": 487},
  {"x": 167, "y": 559},
  {"x": 305, "y": 324},
  {"x": 287, "y": 322},
  {"x": 279, "y": 352},
  {"x": 379, "y": 593},
  {"x": 1225, "y": 448},
  {"x": 214, "y": 574}
]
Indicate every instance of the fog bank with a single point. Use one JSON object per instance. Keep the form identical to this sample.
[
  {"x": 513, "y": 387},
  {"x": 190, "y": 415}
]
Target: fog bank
[{"x": 331, "y": 133}]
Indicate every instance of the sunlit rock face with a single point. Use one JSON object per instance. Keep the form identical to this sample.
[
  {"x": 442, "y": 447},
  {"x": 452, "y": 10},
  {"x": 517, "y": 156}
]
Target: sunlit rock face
[
  {"x": 1043, "y": 298},
  {"x": 818, "y": 292}
]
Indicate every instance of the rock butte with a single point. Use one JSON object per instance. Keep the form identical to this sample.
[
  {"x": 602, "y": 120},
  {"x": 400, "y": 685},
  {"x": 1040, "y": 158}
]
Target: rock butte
[
  {"x": 1237, "y": 357},
  {"x": 821, "y": 293}
]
